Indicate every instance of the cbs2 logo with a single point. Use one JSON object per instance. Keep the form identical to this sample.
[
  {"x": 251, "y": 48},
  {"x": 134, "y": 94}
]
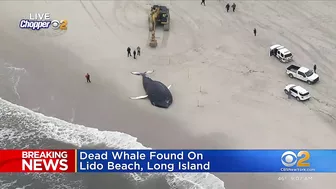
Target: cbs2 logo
[
  {"x": 62, "y": 25},
  {"x": 289, "y": 159}
]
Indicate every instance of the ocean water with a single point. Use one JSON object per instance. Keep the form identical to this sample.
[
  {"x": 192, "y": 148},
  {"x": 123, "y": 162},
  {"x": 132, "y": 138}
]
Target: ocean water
[{"x": 21, "y": 128}]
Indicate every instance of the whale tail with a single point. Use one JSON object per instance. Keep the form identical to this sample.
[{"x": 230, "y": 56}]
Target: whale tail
[{"x": 142, "y": 73}]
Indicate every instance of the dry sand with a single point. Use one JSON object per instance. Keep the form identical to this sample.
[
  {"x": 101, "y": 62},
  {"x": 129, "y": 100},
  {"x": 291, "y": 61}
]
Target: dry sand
[{"x": 227, "y": 89}]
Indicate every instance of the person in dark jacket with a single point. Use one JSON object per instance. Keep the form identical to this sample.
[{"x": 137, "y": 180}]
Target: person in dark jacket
[
  {"x": 255, "y": 32},
  {"x": 138, "y": 50},
  {"x": 129, "y": 52},
  {"x": 314, "y": 68},
  {"x": 233, "y": 7},
  {"x": 227, "y": 7},
  {"x": 134, "y": 54},
  {"x": 203, "y": 2},
  {"x": 87, "y": 76}
]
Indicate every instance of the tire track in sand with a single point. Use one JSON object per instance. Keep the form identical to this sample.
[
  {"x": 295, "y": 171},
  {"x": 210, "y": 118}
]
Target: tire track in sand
[
  {"x": 96, "y": 16},
  {"x": 90, "y": 15},
  {"x": 314, "y": 55},
  {"x": 309, "y": 53},
  {"x": 161, "y": 35},
  {"x": 121, "y": 9},
  {"x": 119, "y": 5},
  {"x": 318, "y": 55},
  {"x": 188, "y": 25},
  {"x": 103, "y": 19}
]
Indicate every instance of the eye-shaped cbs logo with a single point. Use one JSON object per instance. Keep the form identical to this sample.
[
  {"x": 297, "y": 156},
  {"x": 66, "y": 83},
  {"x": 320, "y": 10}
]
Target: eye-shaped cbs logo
[
  {"x": 290, "y": 159},
  {"x": 62, "y": 25}
]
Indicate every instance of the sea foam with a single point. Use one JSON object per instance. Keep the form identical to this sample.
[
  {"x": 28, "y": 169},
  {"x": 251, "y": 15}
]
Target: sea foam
[{"x": 79, "y": 136}]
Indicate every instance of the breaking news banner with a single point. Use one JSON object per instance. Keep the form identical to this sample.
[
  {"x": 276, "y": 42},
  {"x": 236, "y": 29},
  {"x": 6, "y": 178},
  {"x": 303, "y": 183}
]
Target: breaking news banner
[
  {"x": 230, "y": 161},
  {"x": 38, "y": 161}
]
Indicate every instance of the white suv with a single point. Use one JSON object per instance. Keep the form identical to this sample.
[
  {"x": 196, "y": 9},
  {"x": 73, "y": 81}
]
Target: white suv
[{"x": 298, "y": 92}]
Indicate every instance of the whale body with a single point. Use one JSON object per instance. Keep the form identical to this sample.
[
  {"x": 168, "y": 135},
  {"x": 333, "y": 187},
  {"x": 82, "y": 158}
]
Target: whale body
[{"x": 158, "y": 93}]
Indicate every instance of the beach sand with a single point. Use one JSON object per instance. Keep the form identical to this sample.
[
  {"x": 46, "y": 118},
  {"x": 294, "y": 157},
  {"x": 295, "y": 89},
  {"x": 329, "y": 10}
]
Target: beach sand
[{"x": 228, "y": 92}]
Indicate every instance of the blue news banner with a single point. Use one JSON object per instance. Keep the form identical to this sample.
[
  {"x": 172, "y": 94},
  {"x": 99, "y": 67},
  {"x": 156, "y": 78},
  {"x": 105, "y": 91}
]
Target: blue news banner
[{"x": 266, "y": 161}]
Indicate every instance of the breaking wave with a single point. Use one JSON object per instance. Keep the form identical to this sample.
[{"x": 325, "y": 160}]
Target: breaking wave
[{"x": 81, "y": 136}]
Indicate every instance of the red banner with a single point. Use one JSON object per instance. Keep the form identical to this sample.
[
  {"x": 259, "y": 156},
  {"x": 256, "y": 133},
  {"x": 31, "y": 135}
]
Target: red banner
[{"x": 37, "y": 161}]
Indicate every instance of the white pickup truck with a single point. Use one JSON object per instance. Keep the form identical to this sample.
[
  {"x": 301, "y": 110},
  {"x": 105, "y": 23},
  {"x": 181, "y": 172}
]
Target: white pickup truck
[
  {"x": 281, "y": 53},
  {"x": 303, "y": 74}
]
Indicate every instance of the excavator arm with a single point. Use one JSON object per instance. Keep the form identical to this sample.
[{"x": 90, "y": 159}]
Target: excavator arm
[{"x": 154, "y": 15}]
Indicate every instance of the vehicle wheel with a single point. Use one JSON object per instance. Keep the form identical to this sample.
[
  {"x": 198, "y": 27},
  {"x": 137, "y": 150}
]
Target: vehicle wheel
[
  {"x": 290, "y": 75},
  {"x": 286, "y": 91},
  {"x": 309, "y": 82},
  {"x": 298, "y": 99}
]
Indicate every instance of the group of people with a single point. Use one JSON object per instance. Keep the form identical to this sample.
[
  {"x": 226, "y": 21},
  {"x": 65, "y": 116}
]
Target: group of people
[
  {"x": 135, "y": 52},
  {"x": 227, "y": 6},
  {"x": 129, "y": 54},
  {"x": 233, "y": 6}
]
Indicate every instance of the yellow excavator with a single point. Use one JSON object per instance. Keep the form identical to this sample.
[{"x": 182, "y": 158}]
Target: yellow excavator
[{"x": 158, "y": 15}]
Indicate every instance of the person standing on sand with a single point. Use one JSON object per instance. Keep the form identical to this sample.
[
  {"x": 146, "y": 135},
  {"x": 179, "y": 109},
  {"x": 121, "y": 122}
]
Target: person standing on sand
[
  {"x": 138, "y": 49},
  {"x": 203, "y": 2},
  {"x": 314, "y": 68},
  {"x": 255, "y": 32},
  {"x": 233, "y": 7},
  {"x": 227, "y": 7},
  {"x": 87, "y": 76},
  {"x": 129, "y": 52},
  {"x": 134, "y": 54}
]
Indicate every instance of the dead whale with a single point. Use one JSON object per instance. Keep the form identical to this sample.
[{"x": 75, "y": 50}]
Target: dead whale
[{"x": 158, "y": 94}]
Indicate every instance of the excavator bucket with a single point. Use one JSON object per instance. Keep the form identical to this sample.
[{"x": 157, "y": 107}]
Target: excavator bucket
[{"x": 153, "y": 41}]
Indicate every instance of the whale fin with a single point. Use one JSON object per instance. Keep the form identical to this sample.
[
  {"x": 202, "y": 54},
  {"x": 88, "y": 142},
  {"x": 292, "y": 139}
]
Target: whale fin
[
  {"x": 169, "y": 86},
  {"x": 136, "y": 73},
  {"x": 139, "y": 97},
  {"x": 139, "y": 73},
  {"x": 149, "y": 72}
]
